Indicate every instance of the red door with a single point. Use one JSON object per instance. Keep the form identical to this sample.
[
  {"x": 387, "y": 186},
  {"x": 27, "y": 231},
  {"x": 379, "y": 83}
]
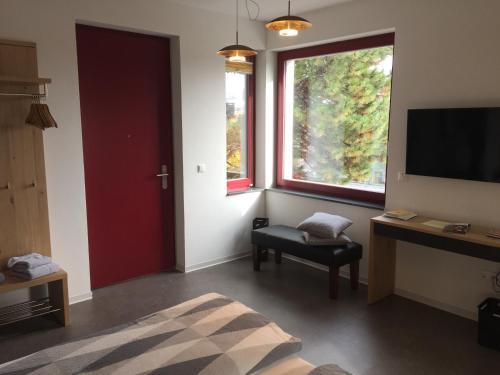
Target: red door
[{"x": 127, "y": 140}]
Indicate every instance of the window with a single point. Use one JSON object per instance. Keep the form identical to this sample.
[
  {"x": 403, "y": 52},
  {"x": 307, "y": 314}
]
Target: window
[
  {"x": 333, "y": 118},
  {"x": 240, "y": 88}
]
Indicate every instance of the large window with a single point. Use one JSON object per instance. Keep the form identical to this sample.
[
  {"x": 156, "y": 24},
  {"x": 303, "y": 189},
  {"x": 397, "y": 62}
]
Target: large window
[
  {"x": 240, "y": 83},
  {"x": 333, "y": 118}
]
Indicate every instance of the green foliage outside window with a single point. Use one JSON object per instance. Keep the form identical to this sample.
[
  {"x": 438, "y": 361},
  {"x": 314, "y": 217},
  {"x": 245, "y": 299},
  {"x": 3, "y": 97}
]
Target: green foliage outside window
[
  {"x": 234, "y": 125},
  {"x": 341, "y": 116}
]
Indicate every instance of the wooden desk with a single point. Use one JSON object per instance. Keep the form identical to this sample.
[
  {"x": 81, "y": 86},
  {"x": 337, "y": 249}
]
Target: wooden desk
[
  {"x": 385, "y": 231},
  {"x": 57, "y": 302}
]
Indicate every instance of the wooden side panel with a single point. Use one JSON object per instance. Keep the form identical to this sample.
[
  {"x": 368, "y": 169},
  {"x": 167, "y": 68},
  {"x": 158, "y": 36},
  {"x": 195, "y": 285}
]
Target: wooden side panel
[
  {"x": 58, "y": 294},
  {"x": 23, "y": 205},
  {"x": 8, "y": 236},
  {"x": 23, "y": 180},
  {"x": 42, "y": 239},
  {"x": 382, "y": 266},
  {"x": 18, "y": 60}
]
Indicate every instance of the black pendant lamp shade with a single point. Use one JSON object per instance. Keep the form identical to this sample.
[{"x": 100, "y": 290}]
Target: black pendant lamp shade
[
  {"x": 237, "y": 52},
  {"x": 289, "y": 25}
]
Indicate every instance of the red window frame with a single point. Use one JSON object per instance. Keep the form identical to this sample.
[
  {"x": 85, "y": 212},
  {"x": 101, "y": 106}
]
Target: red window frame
[
  {"x": 325, "y": 49},
  {"x": 242, "y": 184}
]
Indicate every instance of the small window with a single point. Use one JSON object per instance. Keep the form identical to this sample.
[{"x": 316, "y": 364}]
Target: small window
[
  {"x": 240, "y": 87},
  {"x": 333, "y": 118}
]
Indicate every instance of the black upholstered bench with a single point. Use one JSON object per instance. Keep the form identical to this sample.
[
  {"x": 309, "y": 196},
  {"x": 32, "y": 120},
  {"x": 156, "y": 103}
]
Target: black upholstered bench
[{"x": 289, "y": 240}]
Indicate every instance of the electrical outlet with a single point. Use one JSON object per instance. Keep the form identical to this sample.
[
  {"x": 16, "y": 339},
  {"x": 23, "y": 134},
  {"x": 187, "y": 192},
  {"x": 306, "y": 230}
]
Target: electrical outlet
[{"x": 490, "y": 278}]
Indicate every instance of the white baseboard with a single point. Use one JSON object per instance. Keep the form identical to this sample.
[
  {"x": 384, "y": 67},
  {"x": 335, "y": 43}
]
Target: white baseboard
[
  {"x": 344, "y": 273},
  {"x": 464, "y": 313},
  {"x": 399, "y": 292},
  {"x": 80, "y": 298},
  {"x": 303, "y": 261},
  {"x": 180, "y": 267},
  {"x": 214, "y": 262}
]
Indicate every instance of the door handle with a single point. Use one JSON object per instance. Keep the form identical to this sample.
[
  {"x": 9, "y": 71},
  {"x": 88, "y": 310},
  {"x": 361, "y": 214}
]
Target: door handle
[{"x": 164, "y": 176}]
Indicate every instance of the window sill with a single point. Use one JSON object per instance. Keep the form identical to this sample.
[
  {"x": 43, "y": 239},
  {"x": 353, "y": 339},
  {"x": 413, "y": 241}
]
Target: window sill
[
  {"x": 328, "y": 198},
  {"x": 245, "y": 191}
]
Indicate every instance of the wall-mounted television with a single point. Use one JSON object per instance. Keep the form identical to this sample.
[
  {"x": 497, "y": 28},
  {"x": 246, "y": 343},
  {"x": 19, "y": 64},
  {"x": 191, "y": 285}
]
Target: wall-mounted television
[{"x": 460, "y": 143}]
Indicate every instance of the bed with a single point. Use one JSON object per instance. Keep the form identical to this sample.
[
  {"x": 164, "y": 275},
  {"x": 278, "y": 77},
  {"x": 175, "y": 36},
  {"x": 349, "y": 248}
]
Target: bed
[{"x": 211, "y": 334}]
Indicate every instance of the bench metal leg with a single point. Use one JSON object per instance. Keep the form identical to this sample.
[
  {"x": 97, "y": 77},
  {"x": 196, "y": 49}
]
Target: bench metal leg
[
  {"x": 354, "y": 275},
  {"x": 277, "y": 256},
  {"x": 256, "y": 253},
  {"x": 334, "y": 282}
]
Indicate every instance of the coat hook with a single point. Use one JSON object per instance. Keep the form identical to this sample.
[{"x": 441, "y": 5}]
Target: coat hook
[{"x": 6, "y": 187}]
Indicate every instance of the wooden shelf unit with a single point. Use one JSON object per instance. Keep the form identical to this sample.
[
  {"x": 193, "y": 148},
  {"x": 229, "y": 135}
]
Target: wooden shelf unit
[
  {"x": 24, "y": 82},
  {"x": 57, "y": 302},
  {"x": 24, "y": 219}
]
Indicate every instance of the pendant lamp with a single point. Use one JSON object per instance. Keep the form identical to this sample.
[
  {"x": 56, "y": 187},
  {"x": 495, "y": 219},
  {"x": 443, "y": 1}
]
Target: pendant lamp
[
  {"x": 288, "y": 25},
  {"x": 237, "y": 52}
]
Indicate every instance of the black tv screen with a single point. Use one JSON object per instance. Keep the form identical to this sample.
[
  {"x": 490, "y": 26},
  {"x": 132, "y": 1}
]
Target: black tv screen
[{"x": 461, "y": 143}]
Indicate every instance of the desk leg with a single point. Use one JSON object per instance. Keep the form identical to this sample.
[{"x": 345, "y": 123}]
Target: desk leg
[
  {"x": 382, "y": 266},
  {"x": 58, "y": 294}
]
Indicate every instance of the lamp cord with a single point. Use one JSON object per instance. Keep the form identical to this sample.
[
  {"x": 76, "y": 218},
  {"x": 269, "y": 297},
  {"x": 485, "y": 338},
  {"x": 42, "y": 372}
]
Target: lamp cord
[
  {"x": 248, "y": 10},
  {"x": 249, "y": 15},
  {"x": 237, "y": 23}
]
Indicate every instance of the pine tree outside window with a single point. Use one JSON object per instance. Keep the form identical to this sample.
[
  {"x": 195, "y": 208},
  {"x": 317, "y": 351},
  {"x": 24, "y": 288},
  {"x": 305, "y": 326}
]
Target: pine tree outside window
[{"x": 333, "y": 118}]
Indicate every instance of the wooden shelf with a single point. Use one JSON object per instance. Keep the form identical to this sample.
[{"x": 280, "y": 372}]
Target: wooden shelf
[
  {"x": 26, "y": 310},
  {"x": 24, "y": 82},
  {"x": 477, "y": 234},
  {"x": 14, "y": 283},
  {"x": 384, "y": 232},
  {"x": 57, "y": 302}
]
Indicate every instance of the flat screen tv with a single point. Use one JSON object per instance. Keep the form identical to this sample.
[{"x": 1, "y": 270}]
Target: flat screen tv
[{"x": 460, "y": 143}]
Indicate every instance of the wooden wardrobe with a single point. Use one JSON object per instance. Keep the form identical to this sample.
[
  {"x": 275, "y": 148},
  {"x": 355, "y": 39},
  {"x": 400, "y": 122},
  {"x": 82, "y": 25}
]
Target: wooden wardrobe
[
  {"x": 24, "y": 218},
  {"x": 24, "y": 221}
]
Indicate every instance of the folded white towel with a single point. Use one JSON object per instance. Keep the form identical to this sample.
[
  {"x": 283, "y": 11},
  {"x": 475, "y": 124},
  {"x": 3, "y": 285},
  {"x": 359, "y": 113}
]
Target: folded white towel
[
  {"x": 36, "y": 272},
  {"x": 22, "y": 263}
]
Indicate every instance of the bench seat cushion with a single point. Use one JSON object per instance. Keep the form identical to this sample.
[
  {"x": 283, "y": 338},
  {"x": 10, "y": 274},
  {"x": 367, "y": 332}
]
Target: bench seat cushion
[{"x": 291, "y": 240}]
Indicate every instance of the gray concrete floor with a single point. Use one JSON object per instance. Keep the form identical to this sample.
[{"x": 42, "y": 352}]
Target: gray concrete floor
[{"x": 394, "y": 336}]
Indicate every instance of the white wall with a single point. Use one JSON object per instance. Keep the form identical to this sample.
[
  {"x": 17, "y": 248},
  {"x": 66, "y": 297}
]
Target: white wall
[
  {"x": 446, "y": 55},
  {"x": 211, "y": 226}
]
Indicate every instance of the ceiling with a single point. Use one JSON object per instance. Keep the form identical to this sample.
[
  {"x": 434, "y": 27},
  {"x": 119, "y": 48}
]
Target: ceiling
[{"x": 268, "y": 8}]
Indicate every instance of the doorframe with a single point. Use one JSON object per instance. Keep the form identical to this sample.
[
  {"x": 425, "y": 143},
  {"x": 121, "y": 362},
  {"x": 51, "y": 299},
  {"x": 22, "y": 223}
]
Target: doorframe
[{"x": 176, "y": 121}]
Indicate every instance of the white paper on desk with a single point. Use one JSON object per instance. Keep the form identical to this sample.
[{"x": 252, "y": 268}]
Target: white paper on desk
[{"x": 436, "y": 224}]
